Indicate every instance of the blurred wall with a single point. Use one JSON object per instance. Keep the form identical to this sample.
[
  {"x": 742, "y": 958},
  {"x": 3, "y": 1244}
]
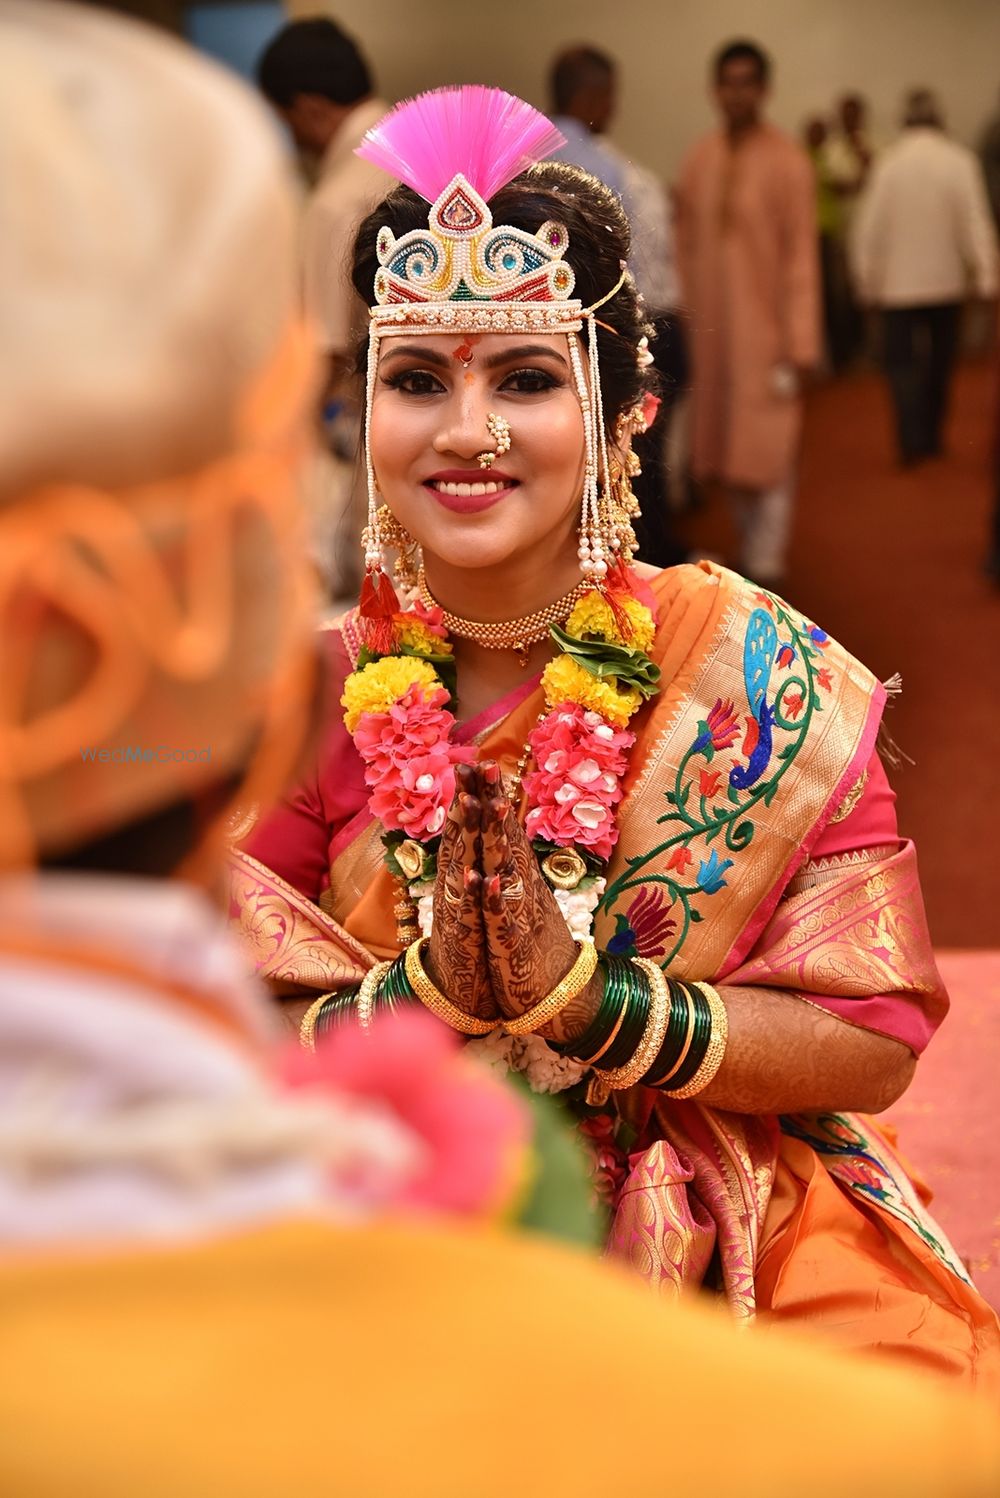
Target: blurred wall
[{"x": 820, "y": 48}]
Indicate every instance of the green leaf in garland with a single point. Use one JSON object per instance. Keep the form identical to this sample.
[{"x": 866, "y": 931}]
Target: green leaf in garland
[
  {"x": 444, "y": 665},
  {"x": 630, "y": 668}
]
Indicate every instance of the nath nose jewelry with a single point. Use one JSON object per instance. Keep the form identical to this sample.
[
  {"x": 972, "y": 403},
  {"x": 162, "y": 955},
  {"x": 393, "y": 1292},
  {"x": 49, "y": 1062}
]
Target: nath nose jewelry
[{"x": 500, "y": 432}]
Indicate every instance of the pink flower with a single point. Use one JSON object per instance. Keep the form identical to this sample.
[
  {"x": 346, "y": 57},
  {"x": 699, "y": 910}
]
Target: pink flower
[
  {"x": 432, "y": 618},
  {"x": 410, "y": 763},
  {"x": 474, "y": 1129},
  {"x": 580, "y": 762},
  {"x": 650, "y": 405},
  {"x": 639, "y": 588}
]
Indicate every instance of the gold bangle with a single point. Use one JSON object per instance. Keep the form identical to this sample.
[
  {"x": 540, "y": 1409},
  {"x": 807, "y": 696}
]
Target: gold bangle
[
  {"x": 565, "y": 991},
  {"x": 368, "y": 993},
  {"x": 713, "y": 1057},
  {"x": 307, "y": 1024},
  {"x": 653, "y": 1036},
  {"x": 433, "y": 999}
]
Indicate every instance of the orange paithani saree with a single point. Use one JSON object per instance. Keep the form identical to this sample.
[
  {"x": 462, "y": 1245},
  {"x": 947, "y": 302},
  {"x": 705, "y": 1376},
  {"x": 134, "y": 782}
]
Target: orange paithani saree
[{"x": 770, "y": 862}]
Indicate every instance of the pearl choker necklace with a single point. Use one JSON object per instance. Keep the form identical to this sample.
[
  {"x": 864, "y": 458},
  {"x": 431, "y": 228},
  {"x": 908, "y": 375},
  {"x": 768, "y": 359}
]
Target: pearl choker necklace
[{"x": 507, "y": 634}]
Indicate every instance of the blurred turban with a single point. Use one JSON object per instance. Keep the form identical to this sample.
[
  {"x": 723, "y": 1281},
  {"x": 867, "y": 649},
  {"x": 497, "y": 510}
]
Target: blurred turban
[{"x": 154, "y": 400}]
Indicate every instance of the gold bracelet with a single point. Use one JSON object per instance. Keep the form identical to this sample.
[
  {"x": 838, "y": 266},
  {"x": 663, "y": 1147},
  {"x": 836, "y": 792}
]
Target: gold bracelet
[
  {"x": 712, "y": 1059},
  {"x": 653, "y": 1036},
  {"x": 566, "y": 990},
  {"x": 368, "y": 993},
  {"x": 307, "y": 1024},
  {"x": 433, "y": 999}
]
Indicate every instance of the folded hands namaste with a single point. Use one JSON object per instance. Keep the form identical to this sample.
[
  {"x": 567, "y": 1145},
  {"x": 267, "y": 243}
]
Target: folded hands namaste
[{"x": 499, "y": 941}]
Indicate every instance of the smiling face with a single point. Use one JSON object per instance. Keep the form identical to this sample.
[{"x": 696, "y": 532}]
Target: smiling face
[{"x": 429, "y": 424}]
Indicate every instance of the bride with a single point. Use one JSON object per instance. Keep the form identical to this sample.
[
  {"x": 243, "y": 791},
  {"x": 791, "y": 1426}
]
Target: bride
[{"x": 626, "y": 830}]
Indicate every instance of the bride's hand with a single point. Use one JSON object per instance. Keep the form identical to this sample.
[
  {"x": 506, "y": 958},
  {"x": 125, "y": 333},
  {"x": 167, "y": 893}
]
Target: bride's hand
[
  {"x": 528, "y": 944},
  {"x": 456, "y": 953}
]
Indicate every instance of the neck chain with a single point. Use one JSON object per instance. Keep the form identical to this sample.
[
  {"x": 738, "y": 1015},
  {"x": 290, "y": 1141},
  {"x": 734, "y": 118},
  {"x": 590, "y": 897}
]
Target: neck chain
[{"x": 507, "y": 634}]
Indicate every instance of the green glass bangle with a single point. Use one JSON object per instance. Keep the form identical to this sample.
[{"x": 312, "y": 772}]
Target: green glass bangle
[
  {"x": 341, "y": 1008},
  {"x": 673, "y": 1041},
  {"x": 596, "y": 1034},
  {"x": 638, "y": 995},
  {"x": 338, "y": 1010},
  {"x": 699, "y": 1043}
]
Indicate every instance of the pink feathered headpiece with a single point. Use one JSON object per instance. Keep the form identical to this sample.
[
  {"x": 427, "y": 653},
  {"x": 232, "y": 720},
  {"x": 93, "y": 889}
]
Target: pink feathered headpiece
[{"x": 483, "y": 134}]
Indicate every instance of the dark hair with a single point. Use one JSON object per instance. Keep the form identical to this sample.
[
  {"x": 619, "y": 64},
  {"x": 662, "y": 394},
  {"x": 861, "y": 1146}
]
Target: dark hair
[
  {"x": 742, "y": 51},
  {"x": 578, "y": 68},
  {"x": 313, "y": 57},
  {"x": 598, "y": 244}
]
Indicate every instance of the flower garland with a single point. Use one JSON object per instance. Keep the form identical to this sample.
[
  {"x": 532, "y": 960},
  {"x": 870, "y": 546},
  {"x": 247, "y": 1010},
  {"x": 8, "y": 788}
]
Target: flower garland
[{"x": 397, "y": 709}]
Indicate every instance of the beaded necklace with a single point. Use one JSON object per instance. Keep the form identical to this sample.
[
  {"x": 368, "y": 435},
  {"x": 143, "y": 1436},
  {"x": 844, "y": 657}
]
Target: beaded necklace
[{"x": 517, "y": 635}]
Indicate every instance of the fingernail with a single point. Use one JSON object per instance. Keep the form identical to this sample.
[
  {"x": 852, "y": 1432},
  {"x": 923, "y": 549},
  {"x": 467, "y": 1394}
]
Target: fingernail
[
  {"x": 491, "y": 773},
  {"x": 470, "y": 878},
  {"x": 493, "y": 893},
  {"x": 471, "y": 810}
]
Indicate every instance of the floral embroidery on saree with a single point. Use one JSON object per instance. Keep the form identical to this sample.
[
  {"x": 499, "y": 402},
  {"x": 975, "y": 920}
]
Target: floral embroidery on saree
[
  {"x": 716, "y": 790},
  {"x": 864, "y": 1164}
]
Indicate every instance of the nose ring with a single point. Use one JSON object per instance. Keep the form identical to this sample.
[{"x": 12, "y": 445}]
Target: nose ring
[{"x": 500, "y": 432}]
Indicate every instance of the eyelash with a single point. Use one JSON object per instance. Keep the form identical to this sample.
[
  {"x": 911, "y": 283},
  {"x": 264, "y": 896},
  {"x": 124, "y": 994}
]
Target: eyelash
[{"x": 543, "y": 381}]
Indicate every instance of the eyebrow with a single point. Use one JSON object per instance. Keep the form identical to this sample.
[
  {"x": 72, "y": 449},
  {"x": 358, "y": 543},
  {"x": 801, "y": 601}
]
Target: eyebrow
[{"x": 443, "y": 361}]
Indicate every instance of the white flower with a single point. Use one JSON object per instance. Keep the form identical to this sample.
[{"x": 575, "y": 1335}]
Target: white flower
[
  {"x": 493, "y": 1050},
  {"x": 578, "y": 906},
  {"x": 424, "y": 896},
  {"x": 542, "y": 1068}
]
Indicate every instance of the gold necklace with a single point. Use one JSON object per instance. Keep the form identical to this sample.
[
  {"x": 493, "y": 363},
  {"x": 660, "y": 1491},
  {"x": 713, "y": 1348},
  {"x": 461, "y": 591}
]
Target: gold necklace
[{"x": 506, "y": 634}]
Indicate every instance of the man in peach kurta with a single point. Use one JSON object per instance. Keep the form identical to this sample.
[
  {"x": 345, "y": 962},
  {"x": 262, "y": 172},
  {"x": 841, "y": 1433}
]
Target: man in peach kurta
[{"x": 747, "y": 245}]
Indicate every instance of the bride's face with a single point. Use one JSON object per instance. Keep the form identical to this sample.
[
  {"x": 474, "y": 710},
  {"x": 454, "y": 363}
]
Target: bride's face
[{"x": 431, "y": 401}]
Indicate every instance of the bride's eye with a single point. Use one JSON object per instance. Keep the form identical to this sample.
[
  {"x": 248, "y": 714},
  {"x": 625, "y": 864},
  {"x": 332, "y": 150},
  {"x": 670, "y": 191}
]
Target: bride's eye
[
  {"x": 529, "y": 382},
  {"x": 414, "y": 382}
]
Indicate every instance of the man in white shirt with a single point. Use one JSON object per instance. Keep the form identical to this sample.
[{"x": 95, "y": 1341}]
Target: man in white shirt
[{"x": 922, "y": 242}]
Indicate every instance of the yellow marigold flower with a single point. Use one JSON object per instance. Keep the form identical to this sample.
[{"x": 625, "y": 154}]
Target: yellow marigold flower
[
  {"x": 378, "y": 685},
  {"x": 565, "y": 681},
  {"x": 416, "y": 636},
  {"x": 593, "y": 616}
]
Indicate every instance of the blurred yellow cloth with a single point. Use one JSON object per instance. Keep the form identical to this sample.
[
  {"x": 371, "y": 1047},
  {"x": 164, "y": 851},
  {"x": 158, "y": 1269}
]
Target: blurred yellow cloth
[{"x": 436, "y": 1363}]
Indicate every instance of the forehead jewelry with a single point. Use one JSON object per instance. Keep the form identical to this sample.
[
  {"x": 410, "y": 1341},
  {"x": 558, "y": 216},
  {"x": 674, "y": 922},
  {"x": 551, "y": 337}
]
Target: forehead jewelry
[{"x": 500, "y": 432}]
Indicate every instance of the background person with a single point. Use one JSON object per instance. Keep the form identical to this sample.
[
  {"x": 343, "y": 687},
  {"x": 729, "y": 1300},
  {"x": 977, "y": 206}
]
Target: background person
[
  {"x": 923, "y": 241},
  {"x": 746, "y": 237},
  {"x": 319, "y": 82},
  {"x": 584, "y": 94}
]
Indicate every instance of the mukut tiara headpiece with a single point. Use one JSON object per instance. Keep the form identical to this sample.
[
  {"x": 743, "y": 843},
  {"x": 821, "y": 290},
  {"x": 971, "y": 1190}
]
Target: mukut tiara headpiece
[{"x": 457, "y": 147}]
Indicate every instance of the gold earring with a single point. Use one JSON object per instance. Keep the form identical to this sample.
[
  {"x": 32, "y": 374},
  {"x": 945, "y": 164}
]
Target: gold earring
[
  {"x": 407, "y": 550},
  {"x": 500, "y": 432},
  {"x": 622, "y": 506}
]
